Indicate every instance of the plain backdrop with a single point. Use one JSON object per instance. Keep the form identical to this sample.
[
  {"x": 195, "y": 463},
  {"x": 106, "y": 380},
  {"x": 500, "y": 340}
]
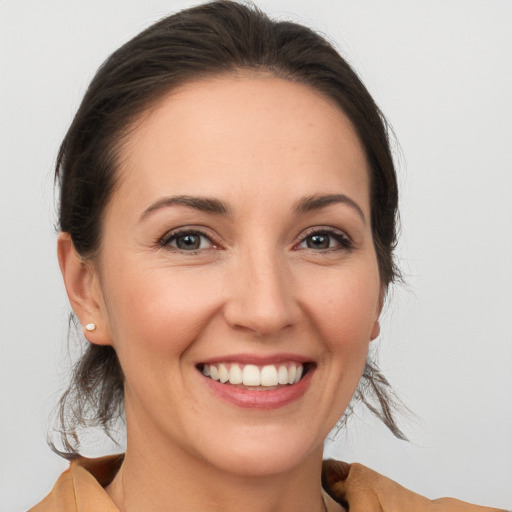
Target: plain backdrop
[{"x": 441, "y": 72}]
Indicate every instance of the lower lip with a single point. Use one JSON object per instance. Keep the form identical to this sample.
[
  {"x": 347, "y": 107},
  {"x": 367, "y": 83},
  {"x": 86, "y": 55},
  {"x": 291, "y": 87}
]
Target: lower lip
[{"x": 271, "y": 399}]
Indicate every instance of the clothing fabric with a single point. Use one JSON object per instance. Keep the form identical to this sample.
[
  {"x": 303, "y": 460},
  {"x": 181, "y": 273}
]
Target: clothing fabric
[{"x": 356, "y": 487}]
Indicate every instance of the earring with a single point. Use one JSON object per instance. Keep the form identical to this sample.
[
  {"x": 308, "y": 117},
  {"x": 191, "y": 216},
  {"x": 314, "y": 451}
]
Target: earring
[{"x": 90, "y": 327}]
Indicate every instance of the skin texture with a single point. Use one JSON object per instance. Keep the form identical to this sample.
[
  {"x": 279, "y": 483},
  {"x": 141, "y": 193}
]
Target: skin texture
[{"x": 257, "y": 286}]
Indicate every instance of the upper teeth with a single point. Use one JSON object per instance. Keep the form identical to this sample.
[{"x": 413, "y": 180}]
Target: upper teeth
[{"x": 252, "y": 375}]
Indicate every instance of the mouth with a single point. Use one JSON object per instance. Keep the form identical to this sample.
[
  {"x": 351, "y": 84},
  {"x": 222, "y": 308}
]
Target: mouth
[{"x": 256, "y": 377}]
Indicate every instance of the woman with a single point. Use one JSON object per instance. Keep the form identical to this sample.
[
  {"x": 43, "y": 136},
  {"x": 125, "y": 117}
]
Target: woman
[{"x": 227, "y": 215}]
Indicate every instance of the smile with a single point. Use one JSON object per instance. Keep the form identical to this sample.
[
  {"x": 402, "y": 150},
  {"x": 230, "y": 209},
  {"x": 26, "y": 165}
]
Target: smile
[{"x": 254, "y": 376}]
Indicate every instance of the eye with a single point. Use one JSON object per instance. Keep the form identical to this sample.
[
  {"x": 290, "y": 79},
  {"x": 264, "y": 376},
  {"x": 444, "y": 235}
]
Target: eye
[
  {"x": 325, "y": 239},
  {"x": 188, "y": 241}
]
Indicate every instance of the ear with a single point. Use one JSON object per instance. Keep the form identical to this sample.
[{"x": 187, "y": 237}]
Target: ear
[
  {"x": 376, "y": 326},
  {"x": 375, "y": 330},
  {"x": 82, "y": 284}
]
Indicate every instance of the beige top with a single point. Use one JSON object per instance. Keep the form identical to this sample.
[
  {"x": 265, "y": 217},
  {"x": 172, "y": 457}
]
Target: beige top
[{"x": 356, "y": 487}]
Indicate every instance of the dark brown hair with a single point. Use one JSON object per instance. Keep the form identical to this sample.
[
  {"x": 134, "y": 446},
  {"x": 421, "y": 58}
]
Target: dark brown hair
[{"x": 212, "y": 39}]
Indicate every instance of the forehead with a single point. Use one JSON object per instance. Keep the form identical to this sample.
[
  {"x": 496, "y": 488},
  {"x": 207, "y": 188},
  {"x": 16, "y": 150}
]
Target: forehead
[{"x": 243, "y": 130}]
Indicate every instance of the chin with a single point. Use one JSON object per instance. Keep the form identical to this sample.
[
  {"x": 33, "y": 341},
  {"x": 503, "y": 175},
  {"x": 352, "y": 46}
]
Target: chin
[{"x": 263, "y": 455}]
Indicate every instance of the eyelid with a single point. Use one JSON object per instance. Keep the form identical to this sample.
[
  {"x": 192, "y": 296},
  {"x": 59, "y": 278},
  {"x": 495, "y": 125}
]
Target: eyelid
[
  {"x": 344, "y": 240},
  {"x": 164, "y": 240}
]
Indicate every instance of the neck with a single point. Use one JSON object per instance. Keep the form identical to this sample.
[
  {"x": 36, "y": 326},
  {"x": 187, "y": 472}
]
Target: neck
[{"x": 169, "y": 480}]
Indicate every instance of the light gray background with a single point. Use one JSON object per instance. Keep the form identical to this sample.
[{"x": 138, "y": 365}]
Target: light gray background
[{"x": 441, "y": 71}]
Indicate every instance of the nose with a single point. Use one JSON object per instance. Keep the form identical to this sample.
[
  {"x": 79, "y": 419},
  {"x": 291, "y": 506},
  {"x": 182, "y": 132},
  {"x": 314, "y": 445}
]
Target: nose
[{"x": 261, "y": 294}]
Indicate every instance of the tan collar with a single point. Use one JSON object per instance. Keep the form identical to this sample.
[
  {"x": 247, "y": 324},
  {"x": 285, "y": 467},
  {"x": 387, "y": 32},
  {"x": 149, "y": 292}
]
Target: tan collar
[{"x": 81, "y": 489}]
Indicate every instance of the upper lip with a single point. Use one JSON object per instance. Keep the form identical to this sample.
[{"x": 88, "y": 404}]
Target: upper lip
[{"x": 258, "y": 360}]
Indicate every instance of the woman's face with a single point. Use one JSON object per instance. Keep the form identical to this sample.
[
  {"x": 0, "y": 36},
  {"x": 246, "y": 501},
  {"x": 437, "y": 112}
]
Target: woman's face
[{"x": 238, "y": 245}]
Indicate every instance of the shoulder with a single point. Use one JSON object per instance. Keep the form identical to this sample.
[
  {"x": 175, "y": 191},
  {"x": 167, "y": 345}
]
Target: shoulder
[
  {"x": 360, "y": 488},
  {"x": 81, "y": 487}
]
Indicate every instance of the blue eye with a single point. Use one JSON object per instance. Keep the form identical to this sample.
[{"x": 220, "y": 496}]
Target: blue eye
[
  {"x": 324, "y": 240},
  {"x": 187, "y": 241}
]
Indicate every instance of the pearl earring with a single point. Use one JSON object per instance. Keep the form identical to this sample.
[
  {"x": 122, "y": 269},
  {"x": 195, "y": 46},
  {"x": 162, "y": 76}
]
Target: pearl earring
[{"x": 90, "y": 327}]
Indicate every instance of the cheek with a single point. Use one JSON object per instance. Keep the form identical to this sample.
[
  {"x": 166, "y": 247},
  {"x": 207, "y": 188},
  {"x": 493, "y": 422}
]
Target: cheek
[
  {"x": 155, "y": 317},
  {"x": 159, "y": 311},
  {"x": 345, "y": 307}
]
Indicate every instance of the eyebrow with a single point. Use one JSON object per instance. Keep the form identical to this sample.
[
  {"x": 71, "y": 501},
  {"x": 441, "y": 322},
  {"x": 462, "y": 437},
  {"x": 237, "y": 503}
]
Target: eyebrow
[
  {"x": 212, "y": 205},
  {"x": 204, "y": 204},
  {"x": 317, "y": 202}
]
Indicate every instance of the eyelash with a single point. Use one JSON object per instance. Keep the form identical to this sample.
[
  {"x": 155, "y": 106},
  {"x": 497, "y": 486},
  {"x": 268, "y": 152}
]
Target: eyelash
[
  {"x": 343, "y": 242},
  {"x": 170, "y": 237}
]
